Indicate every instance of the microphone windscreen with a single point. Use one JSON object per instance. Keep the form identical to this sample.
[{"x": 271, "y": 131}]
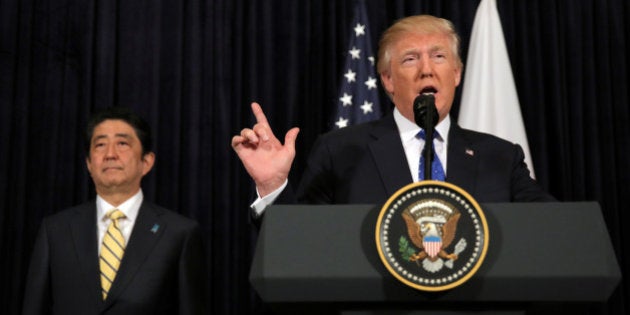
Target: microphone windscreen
[{"x": 423, "y": 105}]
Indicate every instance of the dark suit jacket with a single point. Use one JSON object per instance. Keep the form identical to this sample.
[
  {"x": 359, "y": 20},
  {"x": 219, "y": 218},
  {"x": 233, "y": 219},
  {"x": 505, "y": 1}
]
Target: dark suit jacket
[
  {"x": 366, "y": 164},
  {"x": 161, "y": 271}
]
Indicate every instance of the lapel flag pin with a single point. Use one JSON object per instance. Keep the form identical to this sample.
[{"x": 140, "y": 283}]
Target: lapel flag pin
[
  {"x": 470, "y": 152},
  {"x": 155, "y": 228}
]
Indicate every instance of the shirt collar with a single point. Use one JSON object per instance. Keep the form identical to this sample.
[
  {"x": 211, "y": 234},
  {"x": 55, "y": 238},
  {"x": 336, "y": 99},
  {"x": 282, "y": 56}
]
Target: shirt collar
[
  {"x": 408, "y": 129},
  {"x": 130, "y": 207}
]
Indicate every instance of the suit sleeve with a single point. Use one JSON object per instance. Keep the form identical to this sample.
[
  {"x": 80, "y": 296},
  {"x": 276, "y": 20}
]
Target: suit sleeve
[
  {"x": 287, "y": 196},
  {"x": 317, "y": 182},
  {"x": 37, "y": 295},
  {"x": 192, "y": 275},
  {"x": 525, "y": 188}
]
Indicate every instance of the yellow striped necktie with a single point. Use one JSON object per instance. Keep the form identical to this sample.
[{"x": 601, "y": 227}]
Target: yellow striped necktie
[{"x": 112, "y": 251}]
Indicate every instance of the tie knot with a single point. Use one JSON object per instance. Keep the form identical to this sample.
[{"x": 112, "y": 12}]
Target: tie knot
[
  {"x": 422, "y": 135},
  {"x": 115, "y": 214}
]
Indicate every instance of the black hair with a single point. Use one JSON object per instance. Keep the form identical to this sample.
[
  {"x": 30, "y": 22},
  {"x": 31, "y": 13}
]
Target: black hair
[{"x": 120, "y": 113}]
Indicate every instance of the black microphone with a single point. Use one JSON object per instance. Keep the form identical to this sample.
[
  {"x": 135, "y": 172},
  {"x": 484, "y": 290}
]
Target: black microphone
[
  {"x": 424, "y": 111},
  {"x": 426, "y": 116}
]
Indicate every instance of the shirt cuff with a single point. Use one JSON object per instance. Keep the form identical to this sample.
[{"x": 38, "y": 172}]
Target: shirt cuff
[{"x": 260, "y": 204}]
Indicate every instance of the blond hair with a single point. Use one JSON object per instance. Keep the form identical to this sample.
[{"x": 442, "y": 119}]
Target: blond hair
[{"x": 419, "y": 24}]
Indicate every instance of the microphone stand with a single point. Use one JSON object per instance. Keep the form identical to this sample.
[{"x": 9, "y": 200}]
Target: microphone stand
[
  {"x": 425, "y": 115},
  {"x": 428, "y": 146}
]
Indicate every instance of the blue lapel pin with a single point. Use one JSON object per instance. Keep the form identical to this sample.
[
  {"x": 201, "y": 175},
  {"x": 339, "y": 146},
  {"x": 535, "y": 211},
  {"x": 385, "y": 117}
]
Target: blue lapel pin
[{"x": 155, "y": 228}]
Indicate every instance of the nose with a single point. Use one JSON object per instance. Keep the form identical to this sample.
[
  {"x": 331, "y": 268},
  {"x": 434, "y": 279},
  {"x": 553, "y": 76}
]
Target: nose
[
  {"x": 426, "y": 67},
  {"x": 111, "y": 153}
]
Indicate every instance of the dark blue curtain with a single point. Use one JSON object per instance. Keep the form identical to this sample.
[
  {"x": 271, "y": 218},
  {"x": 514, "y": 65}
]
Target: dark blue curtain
[{"x": 192, "y": 68}]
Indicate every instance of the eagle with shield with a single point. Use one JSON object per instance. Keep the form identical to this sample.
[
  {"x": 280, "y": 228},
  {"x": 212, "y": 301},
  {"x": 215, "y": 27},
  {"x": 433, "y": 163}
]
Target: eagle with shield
[{"x": 431, "y": 225}]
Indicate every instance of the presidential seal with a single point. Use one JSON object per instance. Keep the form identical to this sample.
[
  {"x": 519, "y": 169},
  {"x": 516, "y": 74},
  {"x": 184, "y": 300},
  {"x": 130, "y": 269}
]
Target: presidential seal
[{"x": 432, "y": 235}]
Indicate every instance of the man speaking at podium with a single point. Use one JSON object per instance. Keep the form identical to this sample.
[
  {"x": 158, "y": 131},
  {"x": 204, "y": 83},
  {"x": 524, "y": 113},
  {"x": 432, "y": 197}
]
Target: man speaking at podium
[{"x": 367, "y": 163}]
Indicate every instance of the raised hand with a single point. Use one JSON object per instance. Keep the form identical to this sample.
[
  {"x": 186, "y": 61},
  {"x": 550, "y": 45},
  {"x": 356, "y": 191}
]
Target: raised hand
[{"x": 266, "y": 160}]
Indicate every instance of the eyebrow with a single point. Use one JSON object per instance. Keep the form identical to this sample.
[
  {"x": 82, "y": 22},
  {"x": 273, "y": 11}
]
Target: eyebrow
[
  {"x": 439, "y": 48},
  {"x": 431, "y": 49},
  {"x": 410, "y": 51},
  {"x": 118, "y": 135}
]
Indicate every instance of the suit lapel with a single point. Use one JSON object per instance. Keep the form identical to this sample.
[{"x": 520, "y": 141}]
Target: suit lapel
[
  {"x": 84, "y": 230},
  {"x": 389, "y": 155},
  {"x": 462, "y": 160},
  {"x": 387, "y": 150},
  {"x": 146, "y": 232}
]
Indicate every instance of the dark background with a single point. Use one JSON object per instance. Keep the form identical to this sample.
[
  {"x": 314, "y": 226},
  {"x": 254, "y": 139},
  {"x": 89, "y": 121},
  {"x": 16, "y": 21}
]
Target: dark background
[{"x": 193, "y": 67}]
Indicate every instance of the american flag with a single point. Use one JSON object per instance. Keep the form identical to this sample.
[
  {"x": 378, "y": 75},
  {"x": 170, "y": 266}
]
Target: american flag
[{"x": 358, "y": 99}]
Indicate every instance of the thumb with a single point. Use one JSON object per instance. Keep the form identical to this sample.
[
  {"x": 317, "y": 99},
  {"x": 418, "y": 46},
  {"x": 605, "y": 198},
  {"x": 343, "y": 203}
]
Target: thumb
[{"x": 289, "y": 138}]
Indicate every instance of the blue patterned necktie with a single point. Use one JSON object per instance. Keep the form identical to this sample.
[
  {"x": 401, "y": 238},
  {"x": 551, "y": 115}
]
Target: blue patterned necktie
[{"x": 436, "y": 166}]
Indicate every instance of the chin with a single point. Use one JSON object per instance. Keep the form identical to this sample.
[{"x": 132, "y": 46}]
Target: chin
[{"x": 112, "y": 183}]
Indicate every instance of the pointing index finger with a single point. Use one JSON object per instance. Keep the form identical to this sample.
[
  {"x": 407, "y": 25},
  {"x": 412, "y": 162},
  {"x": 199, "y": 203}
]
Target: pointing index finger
[{"x": 259, "y": 114}]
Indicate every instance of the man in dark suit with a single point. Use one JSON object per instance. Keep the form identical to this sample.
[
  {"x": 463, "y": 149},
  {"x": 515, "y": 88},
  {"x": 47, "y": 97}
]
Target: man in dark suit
[
  {"x": 143, "y": 260},
  {"x": 367, "y": 163}
]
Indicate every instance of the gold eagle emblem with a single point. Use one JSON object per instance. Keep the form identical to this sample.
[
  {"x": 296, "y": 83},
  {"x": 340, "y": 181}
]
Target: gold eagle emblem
[{"x": 431, "y": 226}]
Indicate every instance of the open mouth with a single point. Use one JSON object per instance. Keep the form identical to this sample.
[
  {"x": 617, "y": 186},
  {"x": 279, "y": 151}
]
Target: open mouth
[{"x": 428, "y": 90}]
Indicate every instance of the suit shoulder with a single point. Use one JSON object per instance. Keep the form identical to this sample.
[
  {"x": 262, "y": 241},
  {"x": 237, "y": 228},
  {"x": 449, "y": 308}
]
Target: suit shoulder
[
  {"x": 173, "y": 216},
  {"x": 64, "y": 214},
  {"x": 354, "y": 133},
  {"x": 486, "y": 139}
]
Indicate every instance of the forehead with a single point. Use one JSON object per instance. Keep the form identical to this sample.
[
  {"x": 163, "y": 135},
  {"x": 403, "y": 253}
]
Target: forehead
[
  {"x": 420, "y": 42},
  {"x": 113, "y": 128}
]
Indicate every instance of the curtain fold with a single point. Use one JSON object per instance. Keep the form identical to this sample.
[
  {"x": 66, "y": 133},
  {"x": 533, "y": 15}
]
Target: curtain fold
[{"x": 191, "y": 68}]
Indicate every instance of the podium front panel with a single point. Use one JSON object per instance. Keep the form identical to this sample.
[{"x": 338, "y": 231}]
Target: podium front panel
[{"x": 543, "y": 252}]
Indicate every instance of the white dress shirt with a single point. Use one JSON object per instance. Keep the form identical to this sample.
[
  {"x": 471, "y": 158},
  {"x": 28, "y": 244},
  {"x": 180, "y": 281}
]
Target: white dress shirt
[
  {"x": 130, "y": 208},
  {"x": 414, "y": 145}
]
